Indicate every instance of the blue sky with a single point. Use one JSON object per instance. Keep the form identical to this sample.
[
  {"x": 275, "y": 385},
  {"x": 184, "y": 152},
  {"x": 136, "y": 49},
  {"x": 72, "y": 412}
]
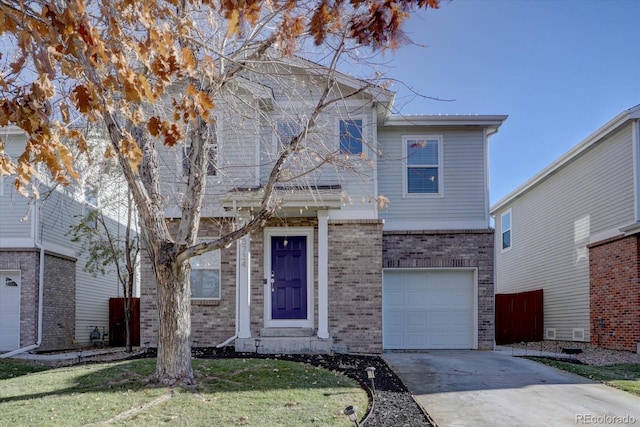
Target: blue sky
[{"x": 560, "y": 70}]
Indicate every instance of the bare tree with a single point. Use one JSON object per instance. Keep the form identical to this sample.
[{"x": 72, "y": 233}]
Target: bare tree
[{"x": 153, "y": 72}]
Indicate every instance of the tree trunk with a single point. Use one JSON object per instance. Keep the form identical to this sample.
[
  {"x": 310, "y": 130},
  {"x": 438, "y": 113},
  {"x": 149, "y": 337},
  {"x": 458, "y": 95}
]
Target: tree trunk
[
  {"x": 127, "y": 323},
  {"x": 174, "y": 323}
]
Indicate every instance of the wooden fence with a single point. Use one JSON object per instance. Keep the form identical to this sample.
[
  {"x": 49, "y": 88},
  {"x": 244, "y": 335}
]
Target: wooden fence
[{"x": 519, "y": 317}]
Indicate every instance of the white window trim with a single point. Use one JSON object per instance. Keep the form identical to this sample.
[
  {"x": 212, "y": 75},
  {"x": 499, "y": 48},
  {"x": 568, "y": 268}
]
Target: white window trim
[
  {"x": 289, "y": 231},
  {"x": 219, "y": 274},
  {"x": 362, "y": 117},
  {"x": 405, "y": 181},
  {"x": 502, "y": 230}
]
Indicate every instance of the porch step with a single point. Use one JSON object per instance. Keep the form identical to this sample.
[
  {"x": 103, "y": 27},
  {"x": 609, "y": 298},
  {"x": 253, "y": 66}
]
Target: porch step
[
  {"x": 286, "y": 332},
  {"x": 284, "y": 345}
]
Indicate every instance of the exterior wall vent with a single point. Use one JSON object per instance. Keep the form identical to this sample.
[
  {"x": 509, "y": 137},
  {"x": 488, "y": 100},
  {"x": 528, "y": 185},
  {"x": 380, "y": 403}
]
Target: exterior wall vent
[
  {"x": 578, "y": 334},
  {"x": 550, "y": 334}
]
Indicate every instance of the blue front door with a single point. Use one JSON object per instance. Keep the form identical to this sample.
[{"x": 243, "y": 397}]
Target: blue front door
[{"x": 289, "y": 274}]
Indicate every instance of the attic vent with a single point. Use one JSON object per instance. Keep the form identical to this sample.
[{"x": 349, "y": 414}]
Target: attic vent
[
  {"x": 550, "y": 333},
  {"x": 578, "y": 334}
]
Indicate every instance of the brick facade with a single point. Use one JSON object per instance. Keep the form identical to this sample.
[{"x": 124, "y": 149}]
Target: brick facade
[
  {"x": 58, "y": 324},
  {"x": 358, "y": 251},
  {"x": 614, "y": 293},
  {"x": 58, "y": 317},
  {"x": 213, "y": 321},
  {"x": 355, "y": 288},
  {"x": 450, "y": 249},
  {"x": 355, "y": 285}
]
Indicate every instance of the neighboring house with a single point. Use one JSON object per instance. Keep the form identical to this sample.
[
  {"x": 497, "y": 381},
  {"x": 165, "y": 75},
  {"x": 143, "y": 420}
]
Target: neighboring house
[
  {"x": 331, "y": 271},
  {"x": 54, "y": 304},
  {"x": 572, "y": 230}
]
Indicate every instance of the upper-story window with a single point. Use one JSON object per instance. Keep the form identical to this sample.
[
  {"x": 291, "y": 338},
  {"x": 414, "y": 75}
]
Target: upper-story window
[
  {"x": 422, "y": 165},
  {"x": 351, "y": 140},
  {"x": 505, "y": 226},
  {"x": 205, "y": 276},
  {"x": 286, "y": 130},
  {"x": 211, "y": 139}
]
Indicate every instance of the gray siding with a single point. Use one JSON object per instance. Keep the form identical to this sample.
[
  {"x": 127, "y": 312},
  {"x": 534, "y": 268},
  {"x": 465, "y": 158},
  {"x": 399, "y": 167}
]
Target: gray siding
[
  {"x": 464, "y": 192},
  {"x": 552, "y": 224},
  {"x": 15, "y": 214},
  {"x": 248, "y": 149},
  {"x": 59, "y": 213}
]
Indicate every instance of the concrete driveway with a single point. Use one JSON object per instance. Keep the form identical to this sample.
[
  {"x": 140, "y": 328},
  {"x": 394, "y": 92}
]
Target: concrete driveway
[{"x": 486, "y": 388}]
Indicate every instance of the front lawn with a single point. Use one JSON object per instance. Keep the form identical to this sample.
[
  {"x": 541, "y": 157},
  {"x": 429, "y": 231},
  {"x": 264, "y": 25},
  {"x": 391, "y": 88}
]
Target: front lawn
[
  {"x": 229, "y": 392},
  {"x": 623, "y": 376}
]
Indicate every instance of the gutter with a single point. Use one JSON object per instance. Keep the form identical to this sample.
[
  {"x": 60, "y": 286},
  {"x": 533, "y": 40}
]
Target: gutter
[{"x": 40, "y": 293}]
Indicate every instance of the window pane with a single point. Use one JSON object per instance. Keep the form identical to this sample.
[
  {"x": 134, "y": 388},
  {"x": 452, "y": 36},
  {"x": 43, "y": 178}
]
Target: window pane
[
  {"x": 286, "y": 131},
  {"x": 506, "y": 239},
  {"x": 351, "y": 136},
  {"x": 206, "y": 260},
  {"x": 205, "y": 283},
  {"x": 422, "y": 180},
  {"x": 422, "y": 152},
  {"x": 506, "y": 221}
]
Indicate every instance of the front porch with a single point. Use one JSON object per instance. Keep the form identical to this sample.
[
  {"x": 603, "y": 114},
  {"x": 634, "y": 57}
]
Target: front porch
[
  {"x": 282, "y": 278},
  {"x": 285, "y": 341}
]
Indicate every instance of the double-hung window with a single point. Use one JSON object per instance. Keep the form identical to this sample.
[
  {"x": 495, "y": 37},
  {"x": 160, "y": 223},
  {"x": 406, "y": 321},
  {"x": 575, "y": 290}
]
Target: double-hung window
[
  {"x": 422, "y": 165},
  {"x": 205, "y": 276},
  {"x": 211, "y": 139},
  {"x": 285, "y": 131},
  {"x": 351, "y": 140},
  {"x": 505, "y": 226}
]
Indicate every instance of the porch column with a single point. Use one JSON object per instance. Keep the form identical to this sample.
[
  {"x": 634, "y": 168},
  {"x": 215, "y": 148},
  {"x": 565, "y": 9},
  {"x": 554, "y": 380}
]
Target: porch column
[
  {"x": 323, "y": 275},
  {"x": 243, "y": 282}
]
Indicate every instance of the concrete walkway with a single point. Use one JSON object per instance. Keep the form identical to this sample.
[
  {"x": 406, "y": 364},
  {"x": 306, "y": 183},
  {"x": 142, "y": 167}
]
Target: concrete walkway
[
  {"x": 68, "y": 355},
  {"x": 487, "y": 388}
]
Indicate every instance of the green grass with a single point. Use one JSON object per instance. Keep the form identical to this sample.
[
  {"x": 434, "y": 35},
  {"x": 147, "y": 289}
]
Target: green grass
[
  {"x": 229, "y": 392},
  {"x": 10, "y": 368},
  {"x": 623, "y": 376}
]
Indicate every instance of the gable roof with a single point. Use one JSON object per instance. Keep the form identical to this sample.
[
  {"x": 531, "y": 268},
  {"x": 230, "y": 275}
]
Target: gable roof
[{"x": 607, "y": 129}]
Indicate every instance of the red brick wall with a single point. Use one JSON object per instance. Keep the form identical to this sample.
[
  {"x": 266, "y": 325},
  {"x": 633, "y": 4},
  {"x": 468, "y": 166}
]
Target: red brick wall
[{"x": 614, "y": 288}]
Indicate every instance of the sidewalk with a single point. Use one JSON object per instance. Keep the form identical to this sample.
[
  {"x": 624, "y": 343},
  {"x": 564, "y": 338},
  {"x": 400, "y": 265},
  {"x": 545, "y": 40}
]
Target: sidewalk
[{"x": 72, "y": 354}]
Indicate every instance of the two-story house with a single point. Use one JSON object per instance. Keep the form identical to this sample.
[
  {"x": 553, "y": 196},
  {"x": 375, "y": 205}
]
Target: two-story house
[
  {"x": 333, "y": 270},
  {"x": 572, "y": 231},
  {"x": 47, "y": 299}
]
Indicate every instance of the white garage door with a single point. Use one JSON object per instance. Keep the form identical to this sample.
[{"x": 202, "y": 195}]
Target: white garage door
[
  {"x": 9, "y": 310},
  {"x": 428, "y": 309}
]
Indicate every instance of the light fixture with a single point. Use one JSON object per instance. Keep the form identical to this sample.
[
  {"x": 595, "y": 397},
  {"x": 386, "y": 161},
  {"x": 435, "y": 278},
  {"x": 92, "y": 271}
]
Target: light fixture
[
  {"x": 371, "y": 374},
  {"x": 351, "y": 412}
]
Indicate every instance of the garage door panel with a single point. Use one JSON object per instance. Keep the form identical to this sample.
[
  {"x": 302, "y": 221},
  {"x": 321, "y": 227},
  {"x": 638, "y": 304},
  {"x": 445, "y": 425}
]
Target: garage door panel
[
  {"x": 395, "y": 320},
  {"x": 428, "y": 309},
  {"x": 415, "y": 299},
  {"x": 415, "y": 320}
]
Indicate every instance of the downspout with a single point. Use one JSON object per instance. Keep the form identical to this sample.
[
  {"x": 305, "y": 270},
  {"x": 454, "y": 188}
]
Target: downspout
[
  {"x": 229, "y": 340},
  {"x": 40, "y": 291}
]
